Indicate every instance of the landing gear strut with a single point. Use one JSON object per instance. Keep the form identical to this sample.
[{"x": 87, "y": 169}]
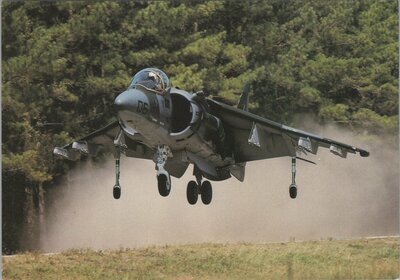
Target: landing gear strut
[
  {"x": 293, "y": 186},
  {"x": 194, "y": 189},
  {"x": 120, "y": 147},
  {"x": 117, "y": 187}
]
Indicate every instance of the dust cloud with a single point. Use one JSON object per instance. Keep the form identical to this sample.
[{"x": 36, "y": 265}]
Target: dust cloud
[{"x": 337, "y": 198}]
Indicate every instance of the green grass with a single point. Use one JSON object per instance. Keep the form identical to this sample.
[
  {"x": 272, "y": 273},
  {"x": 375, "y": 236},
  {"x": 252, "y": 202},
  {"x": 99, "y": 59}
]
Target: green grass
[{"x": 360, "y": 259}]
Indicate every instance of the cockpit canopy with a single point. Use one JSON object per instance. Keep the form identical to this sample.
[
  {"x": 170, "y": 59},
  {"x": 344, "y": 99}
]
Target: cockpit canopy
[{"x": 152, "y": 79}]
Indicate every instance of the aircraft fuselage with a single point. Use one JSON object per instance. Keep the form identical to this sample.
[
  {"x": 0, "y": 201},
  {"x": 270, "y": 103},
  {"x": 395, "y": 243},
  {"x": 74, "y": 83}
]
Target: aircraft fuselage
[
  {"x": 175, "y": 128},
  {"x": 176, "y": 120}
]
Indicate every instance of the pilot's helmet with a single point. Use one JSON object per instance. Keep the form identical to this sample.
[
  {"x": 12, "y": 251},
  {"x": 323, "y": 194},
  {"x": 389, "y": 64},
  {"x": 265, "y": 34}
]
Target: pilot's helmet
[{"x": 152, "y": 79}]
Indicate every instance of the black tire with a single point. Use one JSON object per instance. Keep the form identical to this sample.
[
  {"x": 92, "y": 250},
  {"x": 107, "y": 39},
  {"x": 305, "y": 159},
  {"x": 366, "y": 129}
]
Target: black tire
[
  {"x": 192, "y": 192},
  {"x": 293, "y": 191},
  {"x": 206, "y": 192},
  {"x": 117, "y": 192},
  {"x": 163, "y": 187}
]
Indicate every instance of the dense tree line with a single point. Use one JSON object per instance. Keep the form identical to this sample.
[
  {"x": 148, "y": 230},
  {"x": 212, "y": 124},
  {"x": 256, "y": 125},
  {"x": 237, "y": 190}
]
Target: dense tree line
[{"x": 64, "y": 62}]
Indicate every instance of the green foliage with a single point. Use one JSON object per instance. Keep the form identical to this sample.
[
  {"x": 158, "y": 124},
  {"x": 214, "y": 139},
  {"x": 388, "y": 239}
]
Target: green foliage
[
  {"x": 336, "y": 112},
  {"x": 308, "y": 96},
  {"x": 25, "y": 164},
  {"x": 375, "y": 123},
  {"x": 187, "y": 77}
]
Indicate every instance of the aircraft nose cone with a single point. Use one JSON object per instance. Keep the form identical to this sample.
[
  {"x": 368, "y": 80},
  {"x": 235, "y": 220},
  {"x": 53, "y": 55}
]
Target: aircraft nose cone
[
  {"x": 124, "y": 101},
  {"x": 132, "y": 100}
]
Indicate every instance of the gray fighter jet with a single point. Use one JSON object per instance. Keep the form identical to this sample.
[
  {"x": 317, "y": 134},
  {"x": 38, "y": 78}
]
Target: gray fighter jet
[{"x": 175, "y": 128}]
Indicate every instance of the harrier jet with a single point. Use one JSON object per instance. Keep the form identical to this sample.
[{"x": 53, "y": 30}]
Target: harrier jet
[{"x": 176, "y": 128}]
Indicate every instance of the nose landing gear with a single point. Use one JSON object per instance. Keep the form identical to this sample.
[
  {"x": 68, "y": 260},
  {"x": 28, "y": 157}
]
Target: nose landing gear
[
  {"x": 163, "y": 178},
  {"x": 164, "y": 184}
]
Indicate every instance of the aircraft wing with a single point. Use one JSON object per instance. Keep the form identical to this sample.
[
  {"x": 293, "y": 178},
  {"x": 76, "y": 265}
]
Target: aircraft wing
[
  {"x": 104, "y": 139},
  {"x": 254, "y": 137}
]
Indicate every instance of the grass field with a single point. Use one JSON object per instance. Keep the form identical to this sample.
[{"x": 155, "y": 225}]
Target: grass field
[{"x": 359, "y": 259}]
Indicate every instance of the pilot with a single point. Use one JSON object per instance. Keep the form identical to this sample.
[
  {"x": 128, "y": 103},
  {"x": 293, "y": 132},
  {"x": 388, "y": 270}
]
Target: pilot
[{"x": 152, "y": 79}]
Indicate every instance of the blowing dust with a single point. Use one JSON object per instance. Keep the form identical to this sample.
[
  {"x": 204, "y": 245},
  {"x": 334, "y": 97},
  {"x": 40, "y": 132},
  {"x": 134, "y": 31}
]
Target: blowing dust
[{"x": 337, "y": 198}]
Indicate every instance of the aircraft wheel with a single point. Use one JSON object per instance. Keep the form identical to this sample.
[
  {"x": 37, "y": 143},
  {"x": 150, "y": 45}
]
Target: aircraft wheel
[
  {"x": 293, "y": 191},
  {"x": 164, "y": 185},
  {"x": 117, "y": 192},
  {"x": 192, "y": 192},
  {"x": 206, "y": 192}
]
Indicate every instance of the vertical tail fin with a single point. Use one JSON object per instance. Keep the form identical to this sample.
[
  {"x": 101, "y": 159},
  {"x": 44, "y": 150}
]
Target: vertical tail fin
[{"x": 244, "y": 98}]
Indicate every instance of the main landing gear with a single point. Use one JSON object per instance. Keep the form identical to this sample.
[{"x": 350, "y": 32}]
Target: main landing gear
[
  {"x": 293, "y": 186},
  {"x": 194, "y": 189}
]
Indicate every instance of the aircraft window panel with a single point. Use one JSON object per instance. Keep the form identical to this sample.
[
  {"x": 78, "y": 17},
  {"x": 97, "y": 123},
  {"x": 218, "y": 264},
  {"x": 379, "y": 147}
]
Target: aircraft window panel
[{"x": 152, "y": 79}]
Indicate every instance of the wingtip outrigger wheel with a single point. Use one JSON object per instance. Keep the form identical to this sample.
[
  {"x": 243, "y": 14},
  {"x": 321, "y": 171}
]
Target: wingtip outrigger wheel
[
  {"x": 120, "y": 147},
  {"x": 117, "y": 191},
  {"x": 293, "y": 186},
  {"x": 293, "y": 191},
  {"x": 117, "y": 187}
]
